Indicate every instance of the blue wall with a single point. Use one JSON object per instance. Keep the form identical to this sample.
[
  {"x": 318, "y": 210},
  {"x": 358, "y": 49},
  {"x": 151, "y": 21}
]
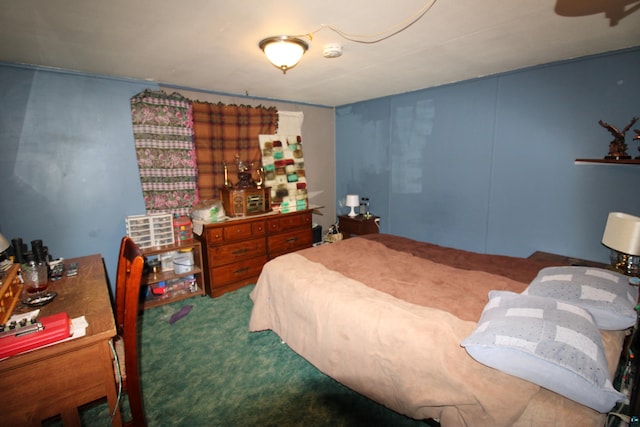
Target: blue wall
[
  {"x": 68, "y": 166},
  {"x": 488, "y": 164},
  {"x": 485, "y": 165}
]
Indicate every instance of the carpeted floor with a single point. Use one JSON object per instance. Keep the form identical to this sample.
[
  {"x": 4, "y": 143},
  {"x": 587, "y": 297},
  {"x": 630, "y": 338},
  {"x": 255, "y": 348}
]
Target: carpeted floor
[{"x": 208, "y": 370}]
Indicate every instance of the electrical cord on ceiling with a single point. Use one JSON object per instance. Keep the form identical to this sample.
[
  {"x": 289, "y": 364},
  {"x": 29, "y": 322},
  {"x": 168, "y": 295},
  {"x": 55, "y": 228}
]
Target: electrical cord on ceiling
[{"x": 382, "y": 35}]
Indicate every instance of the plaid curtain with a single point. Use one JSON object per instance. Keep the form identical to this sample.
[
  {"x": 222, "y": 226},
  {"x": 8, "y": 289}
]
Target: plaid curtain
[
  {"x": 222, "y": 132},
  {"x": 163, "y": 135}
]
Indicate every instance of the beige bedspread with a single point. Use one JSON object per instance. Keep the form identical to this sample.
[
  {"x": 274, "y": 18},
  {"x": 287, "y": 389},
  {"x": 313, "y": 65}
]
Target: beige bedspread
[{"x": 378, "y": 315}]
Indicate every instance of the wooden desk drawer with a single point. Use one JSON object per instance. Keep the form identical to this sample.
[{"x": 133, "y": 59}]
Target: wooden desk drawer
[
  {"x": 233, "y": 252},
  {"x": 238, "y": 271},
  {"x": 51, "y": 379},
  {"x": 289, "y": 242}
]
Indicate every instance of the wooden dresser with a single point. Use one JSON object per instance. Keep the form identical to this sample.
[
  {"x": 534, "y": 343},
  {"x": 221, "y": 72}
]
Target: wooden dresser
[{"x": 235, "y": 251}]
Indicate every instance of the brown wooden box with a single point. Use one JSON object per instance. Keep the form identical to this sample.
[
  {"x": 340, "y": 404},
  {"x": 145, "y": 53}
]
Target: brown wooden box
[{"x": 246, "y": 201}]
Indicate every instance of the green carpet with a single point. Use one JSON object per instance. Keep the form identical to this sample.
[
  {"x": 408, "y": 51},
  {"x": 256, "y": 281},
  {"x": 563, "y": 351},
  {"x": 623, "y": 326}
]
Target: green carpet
[{"x": 208, "y": 370}]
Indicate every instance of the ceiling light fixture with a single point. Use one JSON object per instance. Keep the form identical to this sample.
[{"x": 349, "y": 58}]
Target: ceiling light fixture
[{"x": 284, "y": 52}]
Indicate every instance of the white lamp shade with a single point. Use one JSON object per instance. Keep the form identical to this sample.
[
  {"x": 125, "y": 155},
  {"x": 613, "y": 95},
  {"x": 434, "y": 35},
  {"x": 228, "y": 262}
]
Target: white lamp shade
[
  {"x": 284, "y": 52},
  {"x": 622, "y": 233},
  {"x": 4, "y": 243},
  {"x": 353, "y": 200}
]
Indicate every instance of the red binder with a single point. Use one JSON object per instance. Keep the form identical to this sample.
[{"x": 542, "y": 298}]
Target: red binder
[{"x": 46, "y": 331}]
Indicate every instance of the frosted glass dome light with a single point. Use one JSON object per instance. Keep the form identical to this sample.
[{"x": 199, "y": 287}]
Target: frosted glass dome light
[{"x": 284, "y": 52}]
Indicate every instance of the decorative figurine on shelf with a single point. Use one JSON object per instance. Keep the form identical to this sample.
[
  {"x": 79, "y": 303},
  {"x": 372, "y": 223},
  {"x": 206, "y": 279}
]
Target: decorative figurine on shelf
[
  {"x": 244, "y": 174},
  {"x": 617, "y": 147},
  {"x": 227, "y": 183},
  {"x": 260, "y": 172}
]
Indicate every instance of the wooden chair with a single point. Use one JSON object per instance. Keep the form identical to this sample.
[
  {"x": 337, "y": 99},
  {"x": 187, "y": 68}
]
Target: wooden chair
[{"x": 128, "y": 277}]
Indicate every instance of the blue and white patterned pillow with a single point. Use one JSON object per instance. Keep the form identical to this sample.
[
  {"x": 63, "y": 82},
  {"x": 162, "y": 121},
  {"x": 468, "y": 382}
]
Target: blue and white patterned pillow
[
  {"x": 605, "y": 293},
  {"x": 550, "y": 343}
]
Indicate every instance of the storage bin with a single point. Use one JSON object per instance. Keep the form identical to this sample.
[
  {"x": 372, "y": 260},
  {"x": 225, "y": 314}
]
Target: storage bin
[
  {"x": 183, "y": 262},
  {"x": 182, "y": 229},
  {"x": 150, "y": 230}
]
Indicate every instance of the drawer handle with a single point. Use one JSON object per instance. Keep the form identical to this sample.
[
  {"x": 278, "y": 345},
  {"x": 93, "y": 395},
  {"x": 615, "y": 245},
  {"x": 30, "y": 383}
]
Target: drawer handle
[
  {"x": 240, "y": 251},
  {"x": 241, "y": 271},
  {"x": 292, "y": 239}
]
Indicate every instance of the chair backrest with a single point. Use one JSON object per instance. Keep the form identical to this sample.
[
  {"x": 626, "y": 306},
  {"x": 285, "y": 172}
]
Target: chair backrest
[{"x": 128, "y": 279}]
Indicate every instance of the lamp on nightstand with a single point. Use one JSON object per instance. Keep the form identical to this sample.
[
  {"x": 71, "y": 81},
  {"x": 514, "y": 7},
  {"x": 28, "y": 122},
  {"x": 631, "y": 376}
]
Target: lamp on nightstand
[
  {"x": 622, "y": 236},
  {"x": 353, "y": 200},
  {"x": 5, "y": 263}
]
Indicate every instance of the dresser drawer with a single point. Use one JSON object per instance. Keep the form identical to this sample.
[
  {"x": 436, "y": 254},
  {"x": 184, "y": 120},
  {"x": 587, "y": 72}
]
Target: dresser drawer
[
  {"x": 288, "y": 242},
  {"x": 237, "y": 272},
  {"x": 239, "y": 231},
  {"x": 233, "y": 252},
  {"x": 289, "y": 221},
  {"x": 215, "y": 235}
]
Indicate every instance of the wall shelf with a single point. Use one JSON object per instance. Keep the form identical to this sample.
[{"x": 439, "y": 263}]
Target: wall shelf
[{"x": 609, "y": 162}]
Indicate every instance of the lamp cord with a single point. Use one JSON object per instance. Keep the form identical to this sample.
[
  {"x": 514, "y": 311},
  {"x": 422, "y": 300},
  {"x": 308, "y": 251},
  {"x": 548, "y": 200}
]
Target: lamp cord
[
  {"x": 119, "y": 375},
  {"x": 378, "y": 37}
]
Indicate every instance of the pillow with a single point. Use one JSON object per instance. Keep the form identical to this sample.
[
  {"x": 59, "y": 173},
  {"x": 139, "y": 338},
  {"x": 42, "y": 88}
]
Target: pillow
[
  {"x": 606, "y": 294},
  {"x": 550, "y": 343}
]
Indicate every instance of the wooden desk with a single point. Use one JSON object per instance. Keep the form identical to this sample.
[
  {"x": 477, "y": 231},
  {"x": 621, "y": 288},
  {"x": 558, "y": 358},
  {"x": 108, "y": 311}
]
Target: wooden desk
[{"x": 56, "y": 380}]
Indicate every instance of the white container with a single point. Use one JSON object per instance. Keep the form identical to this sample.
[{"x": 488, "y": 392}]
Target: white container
[
  {"x": 183, "y": 262},
  {"x": 166, "y": 260}
]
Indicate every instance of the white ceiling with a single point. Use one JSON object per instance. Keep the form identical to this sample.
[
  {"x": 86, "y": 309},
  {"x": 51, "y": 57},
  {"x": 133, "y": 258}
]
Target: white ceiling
[{"x": 213, "y": 44}]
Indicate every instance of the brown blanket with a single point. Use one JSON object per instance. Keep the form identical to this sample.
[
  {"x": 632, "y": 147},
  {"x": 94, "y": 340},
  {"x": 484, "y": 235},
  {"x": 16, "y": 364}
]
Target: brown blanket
[
  {"x": 380, "y": 316},
  {"x": 425, "y": 274},
  {"x": 519, "y": 269}
]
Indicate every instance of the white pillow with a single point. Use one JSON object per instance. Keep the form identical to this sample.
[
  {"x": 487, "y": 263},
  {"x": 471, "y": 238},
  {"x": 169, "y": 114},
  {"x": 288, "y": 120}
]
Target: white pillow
[
  {"x": 605, "y": 293},
  {"x": 550, "y": 343}
]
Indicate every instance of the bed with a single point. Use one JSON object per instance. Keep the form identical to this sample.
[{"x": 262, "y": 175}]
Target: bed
[{"x": 386, "y": 316}]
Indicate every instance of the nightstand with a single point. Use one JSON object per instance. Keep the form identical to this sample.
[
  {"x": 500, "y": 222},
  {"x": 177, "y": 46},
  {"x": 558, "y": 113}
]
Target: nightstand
[
  {"x": 358, "y": 225},
  {"x": 564, "y": 260}
]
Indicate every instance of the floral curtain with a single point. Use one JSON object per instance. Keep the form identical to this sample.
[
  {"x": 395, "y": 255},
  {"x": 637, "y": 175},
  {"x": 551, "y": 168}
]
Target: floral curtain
[
  {"x": 163, "y": 135},
  {"x": 222, "y": 132}
]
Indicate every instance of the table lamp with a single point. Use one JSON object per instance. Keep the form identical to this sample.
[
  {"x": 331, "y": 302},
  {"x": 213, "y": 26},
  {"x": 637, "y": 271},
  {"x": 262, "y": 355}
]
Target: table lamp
[
  {"x": 622, "y": 236},
  {"x": 352, "y": 201},
  {"x": 5, "y": 263}
]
